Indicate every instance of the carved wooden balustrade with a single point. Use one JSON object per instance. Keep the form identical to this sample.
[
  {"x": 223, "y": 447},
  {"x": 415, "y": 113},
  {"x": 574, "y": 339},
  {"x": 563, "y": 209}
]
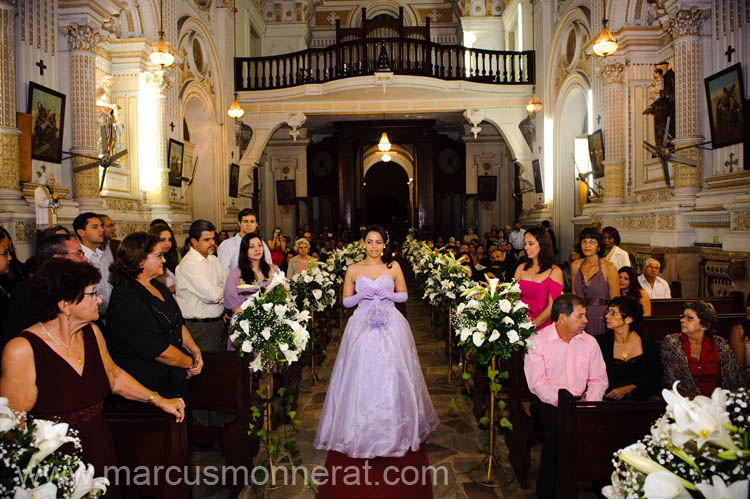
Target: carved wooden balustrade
[{"x": 402, "y": 56}]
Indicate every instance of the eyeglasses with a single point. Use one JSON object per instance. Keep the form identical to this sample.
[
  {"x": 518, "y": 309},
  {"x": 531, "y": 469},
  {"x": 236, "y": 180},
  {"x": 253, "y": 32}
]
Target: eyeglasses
[
  {"x": 79, "y": 253},
  {"x": 688, "y": 317},
  {"x": 4, "y": 253},
  {"x": 158, "y": 255},
  {"x": 611, "y": 311},
  {"x": 93, "y": 294}
]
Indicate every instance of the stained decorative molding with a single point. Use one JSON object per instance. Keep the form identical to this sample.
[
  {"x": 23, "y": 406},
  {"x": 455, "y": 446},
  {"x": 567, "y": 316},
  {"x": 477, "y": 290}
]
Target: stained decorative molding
[
  {"x": 686, "y": 22},
  {"x": 9, "y": 166},
  {"x": 121, "y": 204},
  {"x": 123, "y": 229},
  {"x": 25, "y": 231},
  {"x": 665, "y": 222},
  {"x": 654, "y": 196},
  {"x": 82, "y": 37},
  {"x": 741, "y": 221},
  {"x": 612, "y": 74},
  {"x": 640, "y": 222}
]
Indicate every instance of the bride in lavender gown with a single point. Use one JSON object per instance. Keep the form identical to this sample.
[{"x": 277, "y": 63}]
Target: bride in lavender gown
[{"x": 377, "y": 402}]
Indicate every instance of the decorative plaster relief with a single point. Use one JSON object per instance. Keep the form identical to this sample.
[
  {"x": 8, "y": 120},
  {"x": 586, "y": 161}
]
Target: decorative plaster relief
[
  {"x": 654, "y": 196},
  {"x": 82, "y": 37},
  {"x": 641, "y": 222},
  {"x": 686, "y": 22},
  {"x": 665, "y": 222},
  {"x": 741, "y": 221},
  {"x": 25, "y": 231},
  {"x": 611, "y": 74},
  {"x": 121, "y": 204}
]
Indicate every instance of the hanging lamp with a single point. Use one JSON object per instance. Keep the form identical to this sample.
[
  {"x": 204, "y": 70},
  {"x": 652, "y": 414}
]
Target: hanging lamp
[
  {"x": 161, "y": 56},
  {"x": 384, "y": 144},
  {"x": 235, "y": 110},
  {"x": 534, "y": 105},
  {"x": 604, "y": 44}
]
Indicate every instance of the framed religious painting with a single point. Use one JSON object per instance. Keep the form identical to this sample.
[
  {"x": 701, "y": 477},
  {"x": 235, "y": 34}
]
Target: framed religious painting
[
  {"x": 234, "y": 180},
  {"x": 47, "y": 109},
  {"x": 285, "y": 192},
  {"x": 596, "y": 153},
  {"x": 487, "y": 188},
  {"x": 725, "y": 95},
  {"x": 175, "y": 152},
  {"x": 537, "y": 171}
]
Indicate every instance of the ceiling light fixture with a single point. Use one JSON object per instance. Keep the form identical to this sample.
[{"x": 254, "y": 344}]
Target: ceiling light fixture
[
  {"x": 161, "y": 56},
  {"x": 534, "y": 105},
  {"x": 235, "y": 110},
  {"x": 386, "y": 157},
  {"x": 604, "y": 44},
  {"x": 384, "y": 144}
]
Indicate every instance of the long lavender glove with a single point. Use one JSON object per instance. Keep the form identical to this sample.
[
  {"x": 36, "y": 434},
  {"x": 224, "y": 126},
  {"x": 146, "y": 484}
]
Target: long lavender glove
[
  {"x": 353, "y": 300},
  {"x": 394, "y": 296}
]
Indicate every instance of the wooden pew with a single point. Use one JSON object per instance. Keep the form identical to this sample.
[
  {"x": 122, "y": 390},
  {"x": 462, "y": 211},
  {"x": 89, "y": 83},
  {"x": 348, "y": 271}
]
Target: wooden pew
[
  {"x": 225, "y": 382},
  {"x": 524, "y": 432},
  {"x": 660, "y": 326},
  {"x": 152, "y": 439},
  {"x": 588, "y": 433},
  {"x": 722, "y": 304}
]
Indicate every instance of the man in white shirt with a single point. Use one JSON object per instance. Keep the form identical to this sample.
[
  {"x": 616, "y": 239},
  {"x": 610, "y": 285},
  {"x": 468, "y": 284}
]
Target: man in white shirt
[
  {"x": 515, "y": 238},
  {"x": 611, "y": 243},
  {"x": 89, "y": 229},
  {"x": 200, "y": 279},
  {"x": 229, "y": 250},
  {"x": 110, "y": 244},
  {"x": 655, "y": 287}
]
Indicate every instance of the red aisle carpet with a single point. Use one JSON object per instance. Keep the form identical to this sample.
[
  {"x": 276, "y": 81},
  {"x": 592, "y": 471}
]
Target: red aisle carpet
[{"x": 346, "y": 486}]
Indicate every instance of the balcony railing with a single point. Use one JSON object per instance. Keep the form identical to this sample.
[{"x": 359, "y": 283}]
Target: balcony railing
[{"x": 402, "y": 56}]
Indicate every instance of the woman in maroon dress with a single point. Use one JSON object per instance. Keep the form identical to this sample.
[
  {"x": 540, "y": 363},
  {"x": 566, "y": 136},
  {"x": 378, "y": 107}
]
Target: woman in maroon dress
[{"x": 75, "y": 371}]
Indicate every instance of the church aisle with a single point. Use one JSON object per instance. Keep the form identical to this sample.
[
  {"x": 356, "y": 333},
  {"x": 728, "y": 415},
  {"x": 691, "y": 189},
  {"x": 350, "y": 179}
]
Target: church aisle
[{"x": 455, "y": 444}]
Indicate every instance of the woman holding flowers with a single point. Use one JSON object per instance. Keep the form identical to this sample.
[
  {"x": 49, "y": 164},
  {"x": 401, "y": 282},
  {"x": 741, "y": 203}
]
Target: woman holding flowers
[
  {"x": 377, "y": 402},
  {"x": 252, "y": 269},
  {"x": 539, "y": 278},
  {"x": 698, "y": 359}
]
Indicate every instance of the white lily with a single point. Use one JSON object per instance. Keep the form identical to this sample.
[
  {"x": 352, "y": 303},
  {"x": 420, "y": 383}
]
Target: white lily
[
  {"x": 267, "y": 307},
  {"x": 472, "y": 304},
  {"x": 48, "y": 437},
  {"x": 257, "y": 363},
  {"x": 46, "y": 491},
  {"x": 307, "y": 278},
  {"x": 482, "y": 326},
  {"x": 302, "y": 316},
  {"x": 650, "y": 467},
  {"x": 7, "y": 417},
  {"x": 266, "y": 333},
  {"x": 700, "y": 420},
  {"x": 291, "y": 355},
  {"x": 278, "y": 278},
  {"x": 719, "y": 490},
  {"x": 478, "y": 339},
  {"x": 280, "y": 310},
  {"x": 664, "y": 485},
  {"x": 317, "y": 294},
  {"x": 508, "y": 320},
  {"x": 85, "y": 483},
  {"x": 494, "y": 336},
  {"x": 233, "y": 337},
  {"x": 247, "y": 346},
  {"x": 465, "y": 333},
  {"x": 451, "y": 295},
  {"x": 505, "y": 305},
  {"x": 493, "y": 285},
  {"x": 460, "y": 308},
  {"x": 519, "y": 305},
  {"x": 512, "y": 336},
  {"x": 245, "y": 326}
]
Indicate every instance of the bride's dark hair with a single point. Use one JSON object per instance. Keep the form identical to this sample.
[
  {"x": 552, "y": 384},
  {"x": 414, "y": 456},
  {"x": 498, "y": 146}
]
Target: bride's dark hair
[{"x": 387, "y": 256}]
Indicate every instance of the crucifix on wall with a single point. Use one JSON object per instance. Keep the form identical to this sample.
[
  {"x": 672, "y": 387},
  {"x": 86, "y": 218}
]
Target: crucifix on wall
[
  {"x": 729, "y": 52},
  {"x": 41, "y": 67}
]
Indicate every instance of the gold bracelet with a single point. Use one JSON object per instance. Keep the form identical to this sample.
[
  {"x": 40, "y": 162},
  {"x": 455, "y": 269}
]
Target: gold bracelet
[{"x": 152, "y": 397}]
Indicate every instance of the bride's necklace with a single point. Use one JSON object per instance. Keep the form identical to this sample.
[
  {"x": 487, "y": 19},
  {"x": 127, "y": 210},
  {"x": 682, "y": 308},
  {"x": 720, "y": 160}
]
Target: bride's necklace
[{"x": 76, "y": 353}]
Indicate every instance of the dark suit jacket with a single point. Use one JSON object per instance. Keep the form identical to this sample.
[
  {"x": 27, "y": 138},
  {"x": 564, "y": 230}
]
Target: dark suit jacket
[{"x": 113, "y": 245}]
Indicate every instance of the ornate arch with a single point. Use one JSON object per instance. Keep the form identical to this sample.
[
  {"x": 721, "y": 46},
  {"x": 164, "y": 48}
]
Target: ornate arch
[
  {"x": 190, "y": 29},
  {"x": 376, "y": 7}
]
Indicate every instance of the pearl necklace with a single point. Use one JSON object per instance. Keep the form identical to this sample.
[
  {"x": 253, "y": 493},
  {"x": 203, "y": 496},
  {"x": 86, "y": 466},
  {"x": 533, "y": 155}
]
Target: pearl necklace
[{"x": 76, "y": 354}]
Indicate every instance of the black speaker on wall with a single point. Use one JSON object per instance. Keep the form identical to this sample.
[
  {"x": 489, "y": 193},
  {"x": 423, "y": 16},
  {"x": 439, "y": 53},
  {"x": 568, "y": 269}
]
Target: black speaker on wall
[
  {"x": 487, "y": 188},
  {"x": 285, "y": 192}
]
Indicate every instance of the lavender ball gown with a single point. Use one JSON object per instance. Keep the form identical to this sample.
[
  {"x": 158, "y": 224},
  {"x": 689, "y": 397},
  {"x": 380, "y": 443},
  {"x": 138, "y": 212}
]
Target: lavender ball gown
[{"x": 377, "y": 402}]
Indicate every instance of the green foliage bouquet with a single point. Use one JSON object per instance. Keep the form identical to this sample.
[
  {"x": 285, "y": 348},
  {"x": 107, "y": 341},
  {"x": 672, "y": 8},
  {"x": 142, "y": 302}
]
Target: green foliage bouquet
[
  {"x": 313, "y": 288},
  {"x": 493, "y": 321},
  {"x": 270, "y": 326},
  {"x": 447, "y": 281},
  {"x": 34, "y": 467}
]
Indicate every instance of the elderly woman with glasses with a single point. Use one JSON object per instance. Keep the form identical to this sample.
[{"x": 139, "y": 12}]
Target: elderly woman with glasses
[
  {"x": 60, "y": 368},
  {"x": 145, "y": 329},
  {"x": 631, "y": 356},
  {"x": 696, "y": 357},
  {"x": 299, "y": 263}
]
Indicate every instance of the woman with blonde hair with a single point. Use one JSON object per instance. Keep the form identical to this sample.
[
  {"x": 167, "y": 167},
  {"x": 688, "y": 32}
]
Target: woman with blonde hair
[{"x": 300, "y": 262}]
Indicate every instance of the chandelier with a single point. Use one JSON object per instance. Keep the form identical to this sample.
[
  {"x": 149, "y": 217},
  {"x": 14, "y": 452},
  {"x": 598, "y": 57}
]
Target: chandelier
[
  {"x": 604, "y": 44},
  {"x": 161, "y": 56}
]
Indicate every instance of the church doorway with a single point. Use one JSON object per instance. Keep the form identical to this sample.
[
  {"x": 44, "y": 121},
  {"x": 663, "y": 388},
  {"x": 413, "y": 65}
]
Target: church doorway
[{"x": 386, "y": 196}]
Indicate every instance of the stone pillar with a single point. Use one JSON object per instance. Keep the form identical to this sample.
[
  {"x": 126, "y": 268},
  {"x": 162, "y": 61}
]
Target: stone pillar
[
  {"x": 685, "y": 26},
  {"x": 614, "y": 132},
  {"x": 9, "y": 161},
  {"x": 84, "y": 40},
  {"x": 158, "y": 192}
]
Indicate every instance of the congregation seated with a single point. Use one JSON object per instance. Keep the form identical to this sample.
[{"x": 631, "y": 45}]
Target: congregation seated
[
  {"x": 60, "y": 368},
  {"x": 629, "y": 287},
  {"x": 739, "y": 340},
  {"x": 145, "y": 329},
  {"x": 631, "y": 357},
  {"x": 564, "y": 358},
  {"x": 696, "y": 357},
  {"x": 655, "y": 286}
]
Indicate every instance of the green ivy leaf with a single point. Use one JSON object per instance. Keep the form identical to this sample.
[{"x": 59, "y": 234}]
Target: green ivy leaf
[
  {"x": 466, "y": 376},
  {"x": 505, "y": 423},
  {"x": 484, "y": 421},
  {"x": 453, "y": 405},
  {"x": 501, "y": 404}
]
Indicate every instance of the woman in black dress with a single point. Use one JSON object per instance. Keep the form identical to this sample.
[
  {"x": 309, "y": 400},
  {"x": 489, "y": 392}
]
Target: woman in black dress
[
  {"x": 632, "y": 357},
  {"x": 145, "y": 329}
]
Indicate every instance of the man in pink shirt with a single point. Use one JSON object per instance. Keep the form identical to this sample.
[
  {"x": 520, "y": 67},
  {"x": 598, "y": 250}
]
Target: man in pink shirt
[{"x": 564, "y": 357}]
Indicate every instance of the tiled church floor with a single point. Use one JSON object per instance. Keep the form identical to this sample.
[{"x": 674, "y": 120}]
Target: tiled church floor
[{"x": 455, "y": 444}]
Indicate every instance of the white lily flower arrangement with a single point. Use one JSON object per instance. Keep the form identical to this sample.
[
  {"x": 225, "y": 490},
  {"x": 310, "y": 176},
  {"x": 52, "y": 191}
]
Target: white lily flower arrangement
[
  {"x": 422, "y": 260},
  {"x": 339, "y": 261},
  {"x": 493, "y": 321},
  {"x": 447, "y": 282},
  {"x": 33, "y": 464},
  {"x": 313, "y": 288},
  {"x": 270, "y": 326},
  {"x": 698, "y": 448}
]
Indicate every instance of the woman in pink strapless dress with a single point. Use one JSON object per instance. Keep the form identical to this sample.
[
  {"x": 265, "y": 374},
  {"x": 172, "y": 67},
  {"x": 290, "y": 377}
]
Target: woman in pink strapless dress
[{"x": 539, "y": 278}]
